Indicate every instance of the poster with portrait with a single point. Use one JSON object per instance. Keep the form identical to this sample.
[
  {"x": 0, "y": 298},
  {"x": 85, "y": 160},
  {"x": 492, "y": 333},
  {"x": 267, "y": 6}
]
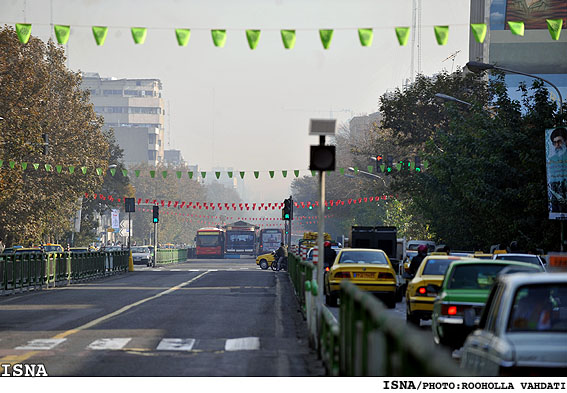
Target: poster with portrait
[
  {"x": 556, "y": 167},
  {"x": 534, "y": 12}
]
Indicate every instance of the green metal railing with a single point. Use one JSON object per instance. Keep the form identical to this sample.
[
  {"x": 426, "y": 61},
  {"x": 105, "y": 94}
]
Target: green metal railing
[
  {"x": 367, "y": 340},
  {"x": 26, "y": 271},
  {"x": 168, "y": 255}
]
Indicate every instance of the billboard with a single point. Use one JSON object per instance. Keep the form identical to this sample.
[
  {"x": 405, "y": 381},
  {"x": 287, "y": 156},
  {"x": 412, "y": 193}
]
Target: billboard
[
  {"x": 556, "y": 167},
  {"x": 115, "y": 218},
  {"x": 534, "y": 12}
]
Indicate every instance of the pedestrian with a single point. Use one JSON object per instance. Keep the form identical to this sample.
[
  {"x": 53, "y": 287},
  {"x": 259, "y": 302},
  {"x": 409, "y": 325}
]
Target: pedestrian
[
  {"x": 329, "y": 254},
  {"x": 279, "y": 256},
  {"x": 2, "y": 246},
  {"x": 416, "y": 261}
]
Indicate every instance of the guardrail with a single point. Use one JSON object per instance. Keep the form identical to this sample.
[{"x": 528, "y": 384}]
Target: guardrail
[
  {"x": 19, "y": 272},
  {"x": 367, "y": 340},
  {"x": 169, "y": 255}
]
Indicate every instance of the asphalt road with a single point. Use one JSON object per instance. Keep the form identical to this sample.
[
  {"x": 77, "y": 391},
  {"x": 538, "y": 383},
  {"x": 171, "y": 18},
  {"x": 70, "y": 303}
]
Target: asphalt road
[{"x": 198, "y": 318}]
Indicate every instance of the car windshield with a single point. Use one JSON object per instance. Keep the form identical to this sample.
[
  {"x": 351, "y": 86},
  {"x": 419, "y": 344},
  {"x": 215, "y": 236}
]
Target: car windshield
[
  {"x": 436, "y": 267},
  {"x": 521, "y": 258},
  {"x": 53, "y": 248},
  {"x": 539, "y": 307},
  {"x": 373, "y": 257},
  {"x": 140, "y": 250},
  {"x": 211, "y": 239},
  {"x": 474, "y": 276}
]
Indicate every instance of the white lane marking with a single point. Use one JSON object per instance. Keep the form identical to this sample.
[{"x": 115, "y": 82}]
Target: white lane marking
[
  {"x": 109, "y": 343},
  {"x": 242, "y": 344},
  {"x": 42, "y": 344},
  {"x": 176, "y": 344},
  {"x": 176, "y": 270},
  {"x": 194, "y": 270}
]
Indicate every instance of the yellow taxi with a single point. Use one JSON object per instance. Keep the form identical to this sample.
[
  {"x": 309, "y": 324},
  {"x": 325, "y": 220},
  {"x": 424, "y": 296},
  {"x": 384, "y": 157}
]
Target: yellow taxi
[
  {"x": 369, "y": 269},
  {"x": 419, "y": 305},
  {"x": 50, "y": 247},
  {"x": 265, "y": 260},
  {"x": 480, "y": 255}
]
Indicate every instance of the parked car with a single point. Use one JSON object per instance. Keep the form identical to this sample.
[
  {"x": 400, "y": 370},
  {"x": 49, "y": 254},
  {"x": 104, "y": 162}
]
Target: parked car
[
  {"x": 80, "y": 250},
  {"x": 50, "y": 247},
  {"x": 462, "y": 295},
  {"x": 523, "y": 328},
  {"x": 142, "y": 256},
  {"x": 369, "y": 269},
  {"x": 419, "y": 303},
  {"x": 265, "y": 260},
  {"x": 528, "y": 258}
]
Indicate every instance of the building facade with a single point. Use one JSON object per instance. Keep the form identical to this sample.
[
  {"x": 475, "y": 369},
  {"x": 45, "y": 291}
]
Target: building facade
[{"x": 134, "y": 108}]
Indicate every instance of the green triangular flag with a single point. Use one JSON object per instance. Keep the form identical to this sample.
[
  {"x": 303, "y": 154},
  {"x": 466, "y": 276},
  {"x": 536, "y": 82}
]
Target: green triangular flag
[
  {"x": 398, "y": 166},
  {"x": 1, "y": 162},
  {"x": 229, "y": 174},
  {"x": 71, "y": 169},
  {"x": 288, "y": 38},
  {"x": 284, "y": 173},
  {"x": 256, "y": 174},
  {"x": 516, "y": 28},
  {"x": 12, "y": 164},
  {"x": 84, "y": 170},
  {"x": 164, "y": 174},
  {"x": 178, "y": 174},
  {"x": 370, "y": 168},
  {"x": 441, "y": 34},
  {"x": 124, "y": 172},
  {"x": 183, "y": 36},
  {"x": 271, "y": 174},
  {"x": 35, "y": 166},
  {"x": 342, "y": 171},
  {"x": 242, "y": 175},
  {"x": 326, "y": 37},
  {"x": 190, "y": 174},
  {"x": 403, "y": 35},
  {"x": 425, "y": 164},
  {"x": 137, "y": 172},
  {"x": 100, "y": 33},
  {"x": 365, "y": 36},
  {"x": 24, "y": 165},
  {"x": 152, "y": 174},
  {"x": 48, "y": 168},
  {"x": 296, "y": 172},
  {"x": 554, "y": 27},
  {"x": 139, "y": 34},
  {"x": 99, "y": 171},
  {"x": 112, "y": 171},
  {"x": 24, "y": 31},
  {"x": 219, "y": 37},
  {"x": 382, "y": 168},
  {"x": 58, "y": 168},
  {"x": 203, "y": 174},
  {"x": 479, "y": 31},
  {"x": 355, "y": 170},
  {"x": 313, "y": 173},
  {"x": 62, "y": 33},
  {"x": 253, "y": 37},
  {"x": 217, "y": 174}
]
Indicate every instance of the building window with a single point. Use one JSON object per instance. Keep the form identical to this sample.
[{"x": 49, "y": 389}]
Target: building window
[
  {"x": 152, "y": 139},
  {"x": 136, "y": 93},
  {"x": 152, "y": 154}
]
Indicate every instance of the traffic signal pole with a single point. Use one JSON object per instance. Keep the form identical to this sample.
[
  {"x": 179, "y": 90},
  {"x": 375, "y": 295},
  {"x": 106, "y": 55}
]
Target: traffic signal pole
[{"x": 320, "y": 234}]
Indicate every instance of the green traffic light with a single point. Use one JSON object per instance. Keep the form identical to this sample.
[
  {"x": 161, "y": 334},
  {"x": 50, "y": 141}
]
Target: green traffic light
[
  {"x": 310, "y": 207},
  {"x": 155, "y": 220},
  {"x": 286, "y": 216}
]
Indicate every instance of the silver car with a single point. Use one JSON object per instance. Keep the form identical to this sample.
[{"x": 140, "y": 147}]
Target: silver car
[
  {"x": 523, "y": 328},
  {"x": 142, "y": 256}
]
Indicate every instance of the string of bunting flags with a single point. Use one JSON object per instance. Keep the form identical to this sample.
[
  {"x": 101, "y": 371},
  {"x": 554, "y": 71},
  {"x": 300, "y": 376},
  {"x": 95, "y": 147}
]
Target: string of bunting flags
[
  {"x": 241, "y": 205},
  {"x": 202, "y": 216},
  {"x": 288, "y": 36},
  {"x": 71, "y": 169}
]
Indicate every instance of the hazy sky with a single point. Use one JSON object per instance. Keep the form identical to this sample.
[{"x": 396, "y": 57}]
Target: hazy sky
[{"x": 250, "y": 110}]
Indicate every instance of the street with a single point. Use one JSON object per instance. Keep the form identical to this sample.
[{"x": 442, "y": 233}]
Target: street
[{"x": 198, "y": 318}]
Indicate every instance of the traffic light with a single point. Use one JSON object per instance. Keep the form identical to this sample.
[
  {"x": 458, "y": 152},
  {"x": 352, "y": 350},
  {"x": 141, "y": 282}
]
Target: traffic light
[
  {"x": 156, "y": 214},
  {"x": 417, "y": 164},
  {"x": 389, "y": 164},
  {"x": 287, "y": 211},
  {"x": 379, "y": 162},
  {"x": 45, "y": 144},
  {"x": 129, "y": 205},
  {"x": 322, "y": 158}
]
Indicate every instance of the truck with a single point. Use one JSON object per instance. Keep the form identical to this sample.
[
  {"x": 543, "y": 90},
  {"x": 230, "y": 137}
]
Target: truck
[{"x": 379, "y": 237}]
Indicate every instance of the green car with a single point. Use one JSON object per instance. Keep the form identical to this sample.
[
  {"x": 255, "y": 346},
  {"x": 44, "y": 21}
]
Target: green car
[{"x": 463, "y": 294}]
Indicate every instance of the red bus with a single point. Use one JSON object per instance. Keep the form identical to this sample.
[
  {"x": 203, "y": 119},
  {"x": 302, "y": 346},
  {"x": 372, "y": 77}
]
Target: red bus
[
  {"x": 270, "y": 240},
  {"x": 210, "y": 243}
]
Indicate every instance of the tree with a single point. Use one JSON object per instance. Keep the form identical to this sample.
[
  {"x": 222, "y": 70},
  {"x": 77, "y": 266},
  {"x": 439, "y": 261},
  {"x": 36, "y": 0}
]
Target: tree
[{"x": 39, "y": 95}]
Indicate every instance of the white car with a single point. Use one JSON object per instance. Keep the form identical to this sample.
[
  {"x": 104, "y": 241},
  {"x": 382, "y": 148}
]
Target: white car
[
  {"x": 142, "y": 256},
  {"x": 523, "y": 328},
  {"x": 528, "y": 258}
]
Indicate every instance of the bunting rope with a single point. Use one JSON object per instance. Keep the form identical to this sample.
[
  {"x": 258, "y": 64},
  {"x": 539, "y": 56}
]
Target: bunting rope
[{"x": 288, "y": 36}]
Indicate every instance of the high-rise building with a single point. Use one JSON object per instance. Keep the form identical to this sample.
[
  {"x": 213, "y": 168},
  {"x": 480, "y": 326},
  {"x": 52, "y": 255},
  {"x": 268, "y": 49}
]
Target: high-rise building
[{"x": 135, "y": 110}]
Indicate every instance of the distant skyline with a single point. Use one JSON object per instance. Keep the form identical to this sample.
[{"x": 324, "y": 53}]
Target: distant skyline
[{"x": 250, "y": 109}]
